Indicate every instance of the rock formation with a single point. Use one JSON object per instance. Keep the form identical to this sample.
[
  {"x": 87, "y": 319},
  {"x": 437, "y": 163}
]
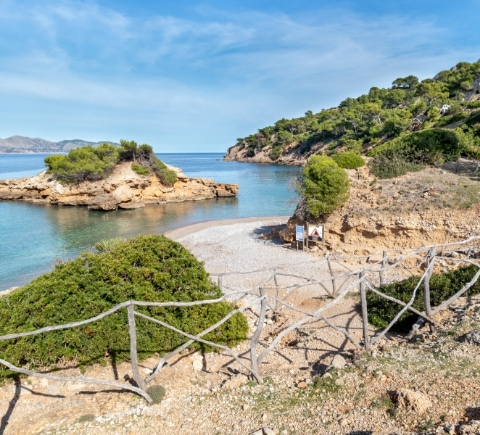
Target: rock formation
[
  {"x": 291, "y": 155},
  {"x": 124, "y": 189},
  {"x": 421, "y": 208}
]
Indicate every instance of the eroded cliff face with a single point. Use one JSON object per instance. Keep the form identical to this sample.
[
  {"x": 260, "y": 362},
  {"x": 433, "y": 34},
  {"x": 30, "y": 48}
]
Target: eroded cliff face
[
  {"x": 290, "y": 156},
  {"x": 424, "y": 208},
  {"x": 124, "y": 188}
]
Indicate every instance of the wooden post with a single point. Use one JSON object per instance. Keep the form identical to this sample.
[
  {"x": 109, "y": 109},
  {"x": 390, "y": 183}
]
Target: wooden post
[
  {"x": 384, "y": 262},
  {"x": 363, "y": 298},
  {"x": 133, "y": 347},
  {"x": 334, "y": 285},
  {"x": 256, "y": 336},
  {"x": 426, "y": 282}
]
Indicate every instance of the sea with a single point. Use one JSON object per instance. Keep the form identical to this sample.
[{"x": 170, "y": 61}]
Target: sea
[{"x": 35, "y": 237}]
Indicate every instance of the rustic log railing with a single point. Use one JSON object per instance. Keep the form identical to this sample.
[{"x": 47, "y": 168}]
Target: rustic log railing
[{"x": 271, "y": 294}]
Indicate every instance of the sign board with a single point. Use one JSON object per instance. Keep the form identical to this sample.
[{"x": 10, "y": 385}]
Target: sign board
[
  {"x": 299, "y": 233},
  {"x": 315, "y": 232}
]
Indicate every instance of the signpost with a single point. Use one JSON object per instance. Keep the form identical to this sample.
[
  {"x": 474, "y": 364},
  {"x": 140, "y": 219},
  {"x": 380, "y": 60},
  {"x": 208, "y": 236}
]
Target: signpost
[
  {"x": 316, "y": 233},
  {"x": 300, "y": 235}
]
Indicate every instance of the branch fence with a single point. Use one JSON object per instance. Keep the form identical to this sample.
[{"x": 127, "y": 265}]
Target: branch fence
[{"x": 337, "y": 277}]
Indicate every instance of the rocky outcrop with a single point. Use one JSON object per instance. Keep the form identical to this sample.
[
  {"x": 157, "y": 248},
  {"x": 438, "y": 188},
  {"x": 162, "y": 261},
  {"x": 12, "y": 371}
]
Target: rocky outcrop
[
  {"x": 290, "y": 156},
  {"x": 124, "y": 189},
  {"x": 419, "y": 209}
]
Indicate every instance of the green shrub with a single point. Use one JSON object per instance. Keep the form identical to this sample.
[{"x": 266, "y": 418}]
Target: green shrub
[
  {"x": 348, "y": 160},
  {"x": 146, "y": 268},
  {"x": 442, "y": 286},
  {"x": 424, "y": 147},
  {"x": 324, "y": 186},
  {"x": 83, "y": 164},
  {"x": 140, "y": 170},
  {"x": 276, "y": 152},
  {"x": 167, "y": 176},
  {"x": 412, "y": 152},
  {"x": 157, "y": 393},
  {"x": 392, "y": 164},
  {"x": 144, "y": 159}
]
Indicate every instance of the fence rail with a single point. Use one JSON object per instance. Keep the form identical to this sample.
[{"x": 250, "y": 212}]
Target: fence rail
[{"x": 273, "y": 293}]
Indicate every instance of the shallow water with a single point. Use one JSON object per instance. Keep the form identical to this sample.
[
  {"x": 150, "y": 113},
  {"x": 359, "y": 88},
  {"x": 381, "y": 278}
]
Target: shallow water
[{"x": 34, "y": 236}]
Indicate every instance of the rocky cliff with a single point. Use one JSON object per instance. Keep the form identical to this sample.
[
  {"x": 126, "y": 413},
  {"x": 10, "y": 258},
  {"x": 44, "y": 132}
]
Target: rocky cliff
[
  {"x": 124, "y": 189},
  {"x": 290, "y": 156},
  {"x": 436, "y": 205}
]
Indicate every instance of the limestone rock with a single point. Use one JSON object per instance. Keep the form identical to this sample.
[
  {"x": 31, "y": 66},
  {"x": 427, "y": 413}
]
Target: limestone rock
[
  {"x": 338, "y": 362},
  {"x": 124, "y": 189},
  {"x": 413, "y": 400}
]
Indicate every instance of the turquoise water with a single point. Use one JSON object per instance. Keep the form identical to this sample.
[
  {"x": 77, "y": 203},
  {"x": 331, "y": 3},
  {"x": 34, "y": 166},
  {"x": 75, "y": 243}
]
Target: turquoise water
[{"x": 34, "y": 237}]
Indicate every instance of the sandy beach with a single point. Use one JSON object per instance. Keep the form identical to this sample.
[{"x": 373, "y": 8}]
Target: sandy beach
[{"x": 230, "y": 246}]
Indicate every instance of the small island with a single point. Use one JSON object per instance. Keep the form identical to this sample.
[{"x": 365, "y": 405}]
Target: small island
[{"x": 109, "y": 177}]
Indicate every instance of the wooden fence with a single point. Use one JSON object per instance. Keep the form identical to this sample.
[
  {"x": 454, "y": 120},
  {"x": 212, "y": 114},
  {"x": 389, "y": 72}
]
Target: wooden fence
[{"x": 358, "y": 275}]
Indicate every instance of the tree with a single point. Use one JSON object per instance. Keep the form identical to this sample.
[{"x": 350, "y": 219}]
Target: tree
[
  {"x": 324, "y": 185},
  {"x": 409, "y": 83}
]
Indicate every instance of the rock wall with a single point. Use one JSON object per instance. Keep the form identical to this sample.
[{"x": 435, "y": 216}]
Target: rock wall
[
  {"x": 403, "y": 213},
  {"x": 124, "y": 188},
  {"x": 290, "y": 156}
]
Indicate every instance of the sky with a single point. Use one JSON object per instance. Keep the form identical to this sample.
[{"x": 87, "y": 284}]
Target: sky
[{"x": 188, "y": 76}]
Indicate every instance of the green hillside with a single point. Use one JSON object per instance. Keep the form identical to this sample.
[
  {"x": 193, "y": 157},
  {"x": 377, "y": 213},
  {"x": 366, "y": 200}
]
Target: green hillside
[{"x": 449, "y": 101}]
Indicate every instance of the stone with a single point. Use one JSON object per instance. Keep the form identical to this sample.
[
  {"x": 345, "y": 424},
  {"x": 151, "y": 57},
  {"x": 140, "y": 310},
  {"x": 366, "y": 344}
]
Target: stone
[
  {"x": 302, "y": 385},
  {"x": 338, "y": 362},
  {"x": 412, "y": 400},
  {"x": 197, "y": 362}
]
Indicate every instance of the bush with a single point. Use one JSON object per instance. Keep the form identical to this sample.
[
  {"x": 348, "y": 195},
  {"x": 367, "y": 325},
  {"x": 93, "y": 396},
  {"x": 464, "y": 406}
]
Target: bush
[
  {"x": 167, "y": 176},
  {"x": 145, "y": 159},
  {"x": 140, "y": 170},
  {"x": 348, "y": 160},
  {"x": 424, "y": 147},
  {"x": 442, "y": 286},
  {"x": 83, "y": 164},
  {"x": 391, "y": 165},
  {"x": 324, "y": 186},
  {"x": 146, "y": 268}
]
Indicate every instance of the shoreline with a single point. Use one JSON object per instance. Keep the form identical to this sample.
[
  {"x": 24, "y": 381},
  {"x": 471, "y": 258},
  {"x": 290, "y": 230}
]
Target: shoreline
[
  {"x": 181, "y": 232},
  {"x": 187, "y": 232}
]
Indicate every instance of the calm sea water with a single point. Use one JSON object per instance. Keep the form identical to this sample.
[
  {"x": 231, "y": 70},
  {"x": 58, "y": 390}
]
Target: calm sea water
[{"x": 34, "y": 237}]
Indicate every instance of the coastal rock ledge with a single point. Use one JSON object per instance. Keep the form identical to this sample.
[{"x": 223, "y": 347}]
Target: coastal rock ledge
[{"x": 124, "y": 189}]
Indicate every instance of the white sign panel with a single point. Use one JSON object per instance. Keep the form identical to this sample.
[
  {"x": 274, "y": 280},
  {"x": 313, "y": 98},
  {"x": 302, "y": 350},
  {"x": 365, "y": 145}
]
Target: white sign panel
[
  {"x": 315, "y": 231},
  {"x": 300, "y": 233}
]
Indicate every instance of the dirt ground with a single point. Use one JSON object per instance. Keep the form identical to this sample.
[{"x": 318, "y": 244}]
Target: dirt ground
[{"x": 314, "y": 382}]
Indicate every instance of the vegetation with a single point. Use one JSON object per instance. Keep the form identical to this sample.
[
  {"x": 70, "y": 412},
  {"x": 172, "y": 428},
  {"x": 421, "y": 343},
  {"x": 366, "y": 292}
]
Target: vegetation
[
  {"x": 146, "y": 268},
  {"x": 324, "y": 185},
  {"x": 385, "y": 117},
  {"x": 95, "y": 163},
  {"x": 348, "y": 160},
  {"x": 442, "y": 286},
  {"x": 83, "y": 164}
]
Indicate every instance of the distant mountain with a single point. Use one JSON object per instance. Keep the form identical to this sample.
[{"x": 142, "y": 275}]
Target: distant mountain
[{"x": 28, "y": 145}]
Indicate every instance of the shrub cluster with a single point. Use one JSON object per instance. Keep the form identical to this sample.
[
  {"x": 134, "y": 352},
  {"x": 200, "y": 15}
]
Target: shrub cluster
[
  {"x": 324, "y": 185},
  {"x": 348, "y": 160},
  {"x": 414, "y": 151},
  {"x": 95, "y": 163},
  {"x": 146, "y": 268},
  {"x": 81, "y": 164},
  {"x": 442, "y": 286}
]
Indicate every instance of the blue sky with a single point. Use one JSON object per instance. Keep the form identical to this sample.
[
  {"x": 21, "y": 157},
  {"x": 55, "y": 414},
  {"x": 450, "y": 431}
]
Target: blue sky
[{"x": 187, "y": 76}]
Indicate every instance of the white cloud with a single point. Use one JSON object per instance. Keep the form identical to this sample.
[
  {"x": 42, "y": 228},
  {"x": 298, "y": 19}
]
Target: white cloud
[{"x": 242, "y": 70}]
